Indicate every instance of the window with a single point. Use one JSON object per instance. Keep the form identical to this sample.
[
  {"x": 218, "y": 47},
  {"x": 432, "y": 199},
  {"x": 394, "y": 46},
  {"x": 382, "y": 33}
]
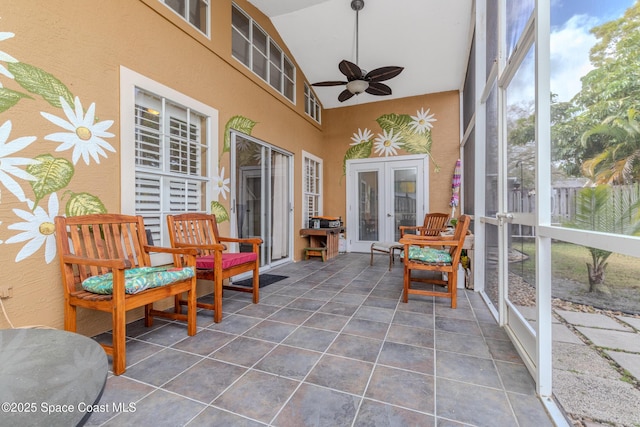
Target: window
[
  {"x": 252, "y": 46},
  {"x": 311, "y": 104},
  {"x": 171, "y": 171},
  {"x": 195, "y": 12},
  {"x": 167, "y": 167},
  {"x": 312, "y": 190}
]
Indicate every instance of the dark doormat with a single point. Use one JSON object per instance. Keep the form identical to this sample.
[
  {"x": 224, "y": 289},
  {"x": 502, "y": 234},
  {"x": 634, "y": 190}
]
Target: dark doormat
[{"x": 265, "y": 280}]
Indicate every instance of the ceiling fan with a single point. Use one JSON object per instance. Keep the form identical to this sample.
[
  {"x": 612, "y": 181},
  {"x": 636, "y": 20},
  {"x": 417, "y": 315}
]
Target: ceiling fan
[{"x": 357, "y": 81}]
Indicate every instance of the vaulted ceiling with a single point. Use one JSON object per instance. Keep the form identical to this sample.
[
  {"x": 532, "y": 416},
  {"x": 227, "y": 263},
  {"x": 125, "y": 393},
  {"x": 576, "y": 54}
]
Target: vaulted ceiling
[{"x": 429, "y": 38}]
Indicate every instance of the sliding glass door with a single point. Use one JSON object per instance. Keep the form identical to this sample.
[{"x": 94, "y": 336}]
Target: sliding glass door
[{"x": 261, "y": 196}]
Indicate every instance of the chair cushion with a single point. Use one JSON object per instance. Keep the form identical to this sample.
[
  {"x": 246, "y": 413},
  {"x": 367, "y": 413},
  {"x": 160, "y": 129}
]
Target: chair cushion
[
  {"x": 228, "y": 260},
  {"x": 385, "y": 246},
  {"x": 430, "y": 255},
  {"x": 138, "y": 279}
]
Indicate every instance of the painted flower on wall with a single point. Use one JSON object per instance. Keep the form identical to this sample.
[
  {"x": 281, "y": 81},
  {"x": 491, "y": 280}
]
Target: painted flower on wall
[
  {"x": 9, "y": 165},
  {"x": 361, "y": 136},
  {"x": 37, "y": 230},
  {"x": 84, "y": 135},
  {"x": 5, "y": 57},
  {"x": 220, "y": 186},
  {"x": 422, "y": 121},
  {"x": 44, "y": 174},
  {"x": 387, "y": 143},
  {"x": 399, "y": 131}
]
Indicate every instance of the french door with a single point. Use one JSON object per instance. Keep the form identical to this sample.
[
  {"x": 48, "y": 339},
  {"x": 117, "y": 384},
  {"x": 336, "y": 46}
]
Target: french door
[
  {"x": 383, "y": 194},
  {"x": 261, "y": 195}
]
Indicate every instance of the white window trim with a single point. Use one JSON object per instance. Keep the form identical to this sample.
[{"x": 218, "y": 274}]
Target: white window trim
[
  {"x": 129, "y": 81},
  {"x": 285, "y": 58},
  {"x": 207, "y": 33},
  {"x": 305, "y": 156},
  {"x": 311, "y": 101}
]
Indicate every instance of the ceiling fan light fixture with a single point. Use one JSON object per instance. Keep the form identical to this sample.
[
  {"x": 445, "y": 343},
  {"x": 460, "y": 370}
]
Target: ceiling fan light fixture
[{"x": 357, "y": 86}]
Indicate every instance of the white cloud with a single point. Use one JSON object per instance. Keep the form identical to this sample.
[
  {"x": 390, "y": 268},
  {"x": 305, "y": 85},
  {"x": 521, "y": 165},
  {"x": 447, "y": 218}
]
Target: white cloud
[{"x": 570, "y": 45}]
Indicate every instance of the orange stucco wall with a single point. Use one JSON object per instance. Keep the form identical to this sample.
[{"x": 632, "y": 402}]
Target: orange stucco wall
[
  {"x": 83, "y": 44},
  {"x": 342, "y": 123}
]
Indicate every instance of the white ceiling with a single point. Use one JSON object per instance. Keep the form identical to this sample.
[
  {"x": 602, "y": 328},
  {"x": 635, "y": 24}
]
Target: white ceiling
[{"x": 429, "y": 38}]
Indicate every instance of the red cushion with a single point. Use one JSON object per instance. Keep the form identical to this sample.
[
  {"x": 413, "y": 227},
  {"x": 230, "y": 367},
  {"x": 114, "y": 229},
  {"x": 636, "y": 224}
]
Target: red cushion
[{"x": 228, "y": 260}]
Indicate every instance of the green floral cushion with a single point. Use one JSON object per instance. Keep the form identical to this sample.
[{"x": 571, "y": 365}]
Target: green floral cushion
[
  {"x": 427, "y": 254},
  {"x": 138, "y": 279}
]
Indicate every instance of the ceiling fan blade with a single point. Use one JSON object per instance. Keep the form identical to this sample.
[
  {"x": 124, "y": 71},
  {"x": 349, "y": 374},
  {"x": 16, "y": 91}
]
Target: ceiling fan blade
[
  {"x": 349, "y": 69},
  {"x": 383, "y": 73},
  {"x": 329, "y": 83},
  {"x": 379, "y": 89},
  {"x": 344, "y": 95}
]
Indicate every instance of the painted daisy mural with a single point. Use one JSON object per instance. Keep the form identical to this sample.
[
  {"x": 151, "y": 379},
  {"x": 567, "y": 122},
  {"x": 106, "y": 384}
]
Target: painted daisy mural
[
  {"x": 9, "y": 165},
  {"x": 37, "y": 179},
  {"x": 422, "y": 121},
  {"x": 83, "y": 133},
  {"x": 5, "y": 57},
  {"x": 361, "y": 136},
  {"x": 387, "y": 143},
  {"x": 36, "y": 230},
  {"x": 220, "y": 185},
  {"x": 399, "y": 131}
]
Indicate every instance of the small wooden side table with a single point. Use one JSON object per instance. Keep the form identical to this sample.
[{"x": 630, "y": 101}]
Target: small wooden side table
[{"x": 328, "y": 238}]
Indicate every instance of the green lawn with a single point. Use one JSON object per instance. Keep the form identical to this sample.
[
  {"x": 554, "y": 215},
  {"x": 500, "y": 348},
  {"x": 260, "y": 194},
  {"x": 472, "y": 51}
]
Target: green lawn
[{"x": 569, "y": 261}]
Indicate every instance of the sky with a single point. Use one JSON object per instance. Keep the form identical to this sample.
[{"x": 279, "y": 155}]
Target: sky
[{"x": 571, "y": 40}]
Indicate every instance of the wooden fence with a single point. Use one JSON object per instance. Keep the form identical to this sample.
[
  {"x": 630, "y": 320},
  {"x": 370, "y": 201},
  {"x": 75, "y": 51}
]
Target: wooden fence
[{"x": 563, "y": 202}]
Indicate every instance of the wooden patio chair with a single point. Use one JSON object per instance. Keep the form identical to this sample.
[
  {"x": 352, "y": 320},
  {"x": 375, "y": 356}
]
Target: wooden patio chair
[
  {"x": 426, "y": 253},
  {"x": 214, "y": 262},
  {"x": 433, "y": 225},
  {"x": 105, "y": 264}
]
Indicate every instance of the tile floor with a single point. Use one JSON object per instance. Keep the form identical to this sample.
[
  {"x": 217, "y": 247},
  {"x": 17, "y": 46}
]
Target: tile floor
[{"x": 331, "y": 345}]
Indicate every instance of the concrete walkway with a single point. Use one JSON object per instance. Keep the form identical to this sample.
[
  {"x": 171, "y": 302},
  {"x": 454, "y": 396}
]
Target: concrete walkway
[{"x": 596, "y": 366}]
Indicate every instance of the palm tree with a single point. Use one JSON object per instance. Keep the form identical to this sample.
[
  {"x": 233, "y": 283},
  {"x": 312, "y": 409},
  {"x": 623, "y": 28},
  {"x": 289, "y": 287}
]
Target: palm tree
[
  {"x": 597, "y": 210},
  {"x": 619, "y": 163}
]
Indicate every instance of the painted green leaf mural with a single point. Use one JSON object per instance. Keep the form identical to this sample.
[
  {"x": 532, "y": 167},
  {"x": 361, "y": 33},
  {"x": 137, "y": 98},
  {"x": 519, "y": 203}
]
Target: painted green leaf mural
[
  {"x": 413, "y": 142},
  {"x": 416, "y": 143},
  {"x": 394, "y": 121},
  {"x": 9, "y": 98},
  {"x": 84, "y": 204},
  {"x": 239, "y": 123},
  {"x": 39, "y": 82},
  {"x": 358, "y": 151},
  {"x": 52, "y": 174},
  {"x": 219, "y": 211}
]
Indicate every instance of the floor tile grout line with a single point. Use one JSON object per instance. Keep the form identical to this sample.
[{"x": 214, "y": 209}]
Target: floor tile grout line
[
  {"x": 361, "y": 275},
  {"x": 313, "y": 367},
  {"x": 375, "y": 363}
]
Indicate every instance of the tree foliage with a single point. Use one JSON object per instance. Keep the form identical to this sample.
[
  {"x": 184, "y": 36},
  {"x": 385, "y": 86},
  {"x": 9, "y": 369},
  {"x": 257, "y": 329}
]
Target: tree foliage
[
  {"x": 619, "y": 161},
  {"x": 610, "y": 89}
]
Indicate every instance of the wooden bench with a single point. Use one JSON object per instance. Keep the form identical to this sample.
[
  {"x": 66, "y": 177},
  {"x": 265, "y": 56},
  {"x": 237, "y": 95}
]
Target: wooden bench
[{"x": 103, "y": 247}]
